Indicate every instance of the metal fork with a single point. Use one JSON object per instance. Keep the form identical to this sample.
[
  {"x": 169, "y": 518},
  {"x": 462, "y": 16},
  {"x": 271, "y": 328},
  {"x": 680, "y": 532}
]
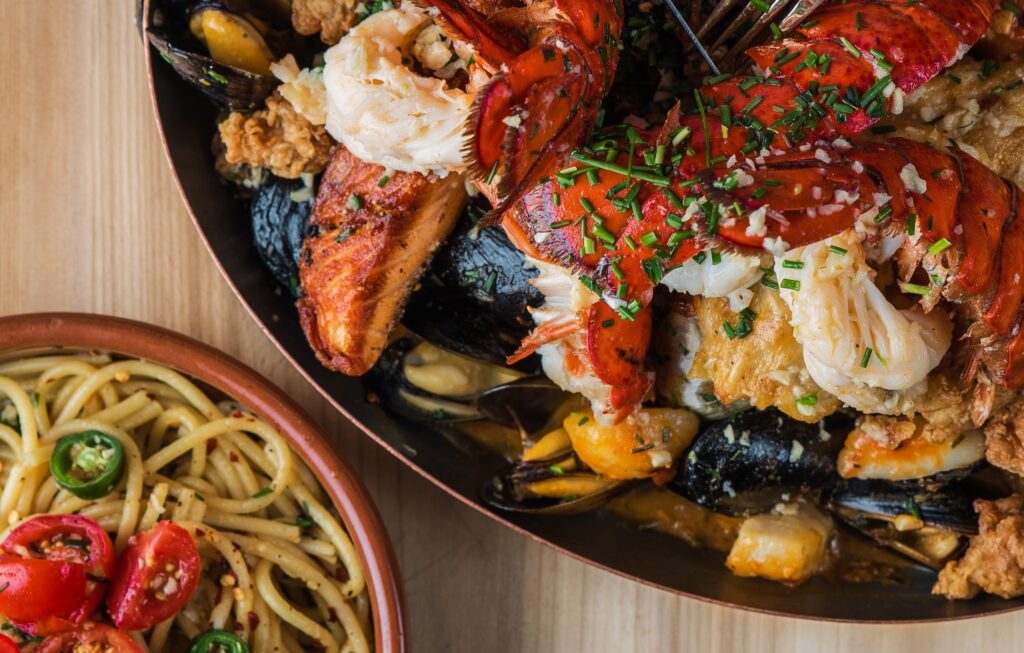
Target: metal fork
[{"x": 795, "y": 13}]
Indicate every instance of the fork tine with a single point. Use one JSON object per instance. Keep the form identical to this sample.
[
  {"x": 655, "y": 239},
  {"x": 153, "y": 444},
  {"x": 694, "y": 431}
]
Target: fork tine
[
  {"x": 798, "y": 13},
  {"x": 721, "y": 9},
  {"x": 694, "y": 39},
  {"x": 745, "y": 15},
  {"x": 758, "y": 27}
]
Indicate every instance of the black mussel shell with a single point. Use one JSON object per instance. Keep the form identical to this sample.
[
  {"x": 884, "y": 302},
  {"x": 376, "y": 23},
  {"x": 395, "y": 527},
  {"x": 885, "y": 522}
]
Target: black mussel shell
[
  {"x": 474, "y": 299},
  {"x": 527, "y": 403},
  {"x": 230, "y": 88},
  {"x": 279, "y": 224},
  {"x": 387, "y": 381},
  {"x": 947, "y": 507},
  {"x": 509, "y": 493},
  {"x": 753, "y": 460}
]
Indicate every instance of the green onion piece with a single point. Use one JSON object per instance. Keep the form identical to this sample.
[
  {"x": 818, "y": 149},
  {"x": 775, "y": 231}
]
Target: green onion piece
[
  {"x": 939, "y": 246},
  {"x": 915, "y": 289}
]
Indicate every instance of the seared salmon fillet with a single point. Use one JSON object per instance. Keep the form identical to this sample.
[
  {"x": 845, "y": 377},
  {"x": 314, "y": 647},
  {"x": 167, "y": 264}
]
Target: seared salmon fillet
[{"x": 371, "y": 241}]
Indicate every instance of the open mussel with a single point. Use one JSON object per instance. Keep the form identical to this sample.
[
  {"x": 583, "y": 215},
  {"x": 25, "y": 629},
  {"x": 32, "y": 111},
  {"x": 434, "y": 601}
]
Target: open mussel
[
  {"x": 475, "y": 298},
  {"x": 551, "y": 480},
  {"x": 220, "y": 49},
  {"x": 748, "y": 463},
  {"x": 929, "y": 525},
  {"x": 420, "y": 381},
  {"x": 280, "y": 215}
]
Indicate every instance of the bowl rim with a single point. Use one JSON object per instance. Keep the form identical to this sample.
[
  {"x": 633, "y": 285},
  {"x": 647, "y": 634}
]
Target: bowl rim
[
  {"x": 143, "y": 23},
  {"x": 218, "y": 370}
]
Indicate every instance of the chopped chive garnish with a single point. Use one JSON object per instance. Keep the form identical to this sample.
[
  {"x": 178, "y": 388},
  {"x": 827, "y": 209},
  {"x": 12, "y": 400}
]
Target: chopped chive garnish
[
  {"x": 791, "y": 284},
  {"x": 835, "y": 249},
  {"x": 850, "y": 47},
  {"x": 354, "y": 202},
  {"x": 793, "y": 265},
  {"x": 494, "y": 171},
  {"x": 808, "y": 400},
  {"x": 915, "y": 289},
  {"x": 939, "y": 246},
  {"x": 866, "y": 358}
]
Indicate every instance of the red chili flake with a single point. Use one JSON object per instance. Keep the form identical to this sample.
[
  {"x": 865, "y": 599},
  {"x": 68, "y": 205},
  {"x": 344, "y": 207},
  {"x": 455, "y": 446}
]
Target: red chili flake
[
  {"x": 332, "y": 615},
  {"x": 233, "y": 457},
  {"x": 211, "y": 444},
  {"x": 254, "y": 620}
]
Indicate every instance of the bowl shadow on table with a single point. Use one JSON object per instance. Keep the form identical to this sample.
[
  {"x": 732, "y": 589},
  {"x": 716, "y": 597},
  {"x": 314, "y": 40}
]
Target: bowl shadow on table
[{"x": 461, "y": 468}]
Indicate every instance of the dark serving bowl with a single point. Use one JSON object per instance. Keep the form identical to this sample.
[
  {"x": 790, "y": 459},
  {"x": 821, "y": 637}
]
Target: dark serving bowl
[{"x": 187, "y": 123}]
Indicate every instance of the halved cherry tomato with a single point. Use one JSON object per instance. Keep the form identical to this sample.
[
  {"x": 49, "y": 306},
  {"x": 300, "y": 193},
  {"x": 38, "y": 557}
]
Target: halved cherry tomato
[
  {"x": 32, "y": 590},
  {"x": 71, "y": 538},
  {"x": 64, "y": 537},
  {"x": 7, "y": 645},
  {"x": 155, "y": 577},
  {"x": 90, "y": 637}
]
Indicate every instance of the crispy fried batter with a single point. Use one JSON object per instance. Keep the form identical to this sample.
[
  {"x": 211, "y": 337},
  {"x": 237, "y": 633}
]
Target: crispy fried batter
[
  {"x": 332, "y": 18},
  {"x": 766, "y": 367},
  {"x": 359, "y": 267},
  {"x": 277, "y": 138},
  {"x": 1004, "y": 437},
  {"x": 994, "y": 562},
  {"x": 963, "y": 104}
]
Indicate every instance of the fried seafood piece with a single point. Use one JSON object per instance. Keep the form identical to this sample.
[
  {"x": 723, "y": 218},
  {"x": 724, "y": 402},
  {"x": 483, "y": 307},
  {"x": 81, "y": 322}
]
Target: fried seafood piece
[
  {"x": 331, "y": 18},
  {"x": 979, "y": 104},
  {"x": 372, "y": 240},
  {"x": 1004, "y": 437},
  {"x": 277, "y": 138},
  {"x": 994, "y": 561},
  {"x": 765, "y": 367}
]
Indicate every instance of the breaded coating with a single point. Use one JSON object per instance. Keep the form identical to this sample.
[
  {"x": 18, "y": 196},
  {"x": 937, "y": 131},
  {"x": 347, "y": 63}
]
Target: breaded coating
[
  {"x": 1004, "y": 437},
  {"x": 331, "y": 18},
  {"x": 766, "y": 367},
  {"x": 994, "y": 562},
  {"x": 980, "y": 105},
  {"x": 277, "y": 138}
]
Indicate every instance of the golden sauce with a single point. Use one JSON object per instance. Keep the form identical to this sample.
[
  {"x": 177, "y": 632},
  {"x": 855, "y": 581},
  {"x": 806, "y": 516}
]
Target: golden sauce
[{"x": 669, "y": 513}]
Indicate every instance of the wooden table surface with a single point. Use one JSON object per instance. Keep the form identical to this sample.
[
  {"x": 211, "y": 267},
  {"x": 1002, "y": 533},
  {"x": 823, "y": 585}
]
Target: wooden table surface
[{"x": 90, "y": 220}]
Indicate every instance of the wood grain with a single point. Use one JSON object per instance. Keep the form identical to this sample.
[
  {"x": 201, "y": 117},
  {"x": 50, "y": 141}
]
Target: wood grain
[{"x": 90, "y": 220}]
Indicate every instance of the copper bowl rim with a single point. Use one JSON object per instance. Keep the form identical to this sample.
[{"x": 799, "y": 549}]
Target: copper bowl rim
[
  {"x": 142, "y": 20},
  {"x": 217, "y": 370}
]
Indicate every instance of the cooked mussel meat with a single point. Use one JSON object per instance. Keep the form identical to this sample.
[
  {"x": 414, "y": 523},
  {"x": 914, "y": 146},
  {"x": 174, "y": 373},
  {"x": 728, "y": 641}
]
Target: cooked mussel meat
[
  {"x": 550, "y": 479},
  {"x": 929, "y": 525},
  {"x": 475, "y": 298},
  {"x": 220, "y": 50},
  {"x": 421, "y": 381},
  {"x": 280, "y": 215},
  {"x": 753, "y": 460}
]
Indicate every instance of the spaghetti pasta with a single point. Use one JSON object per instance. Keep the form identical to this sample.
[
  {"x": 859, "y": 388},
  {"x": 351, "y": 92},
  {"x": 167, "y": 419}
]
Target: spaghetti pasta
[{"x": 278, "y": 569}]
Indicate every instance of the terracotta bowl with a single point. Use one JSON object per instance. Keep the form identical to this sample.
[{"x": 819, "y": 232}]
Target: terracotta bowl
[
  {"x": 187, "y": 122},
  {"x": 221, "y": 373}
]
